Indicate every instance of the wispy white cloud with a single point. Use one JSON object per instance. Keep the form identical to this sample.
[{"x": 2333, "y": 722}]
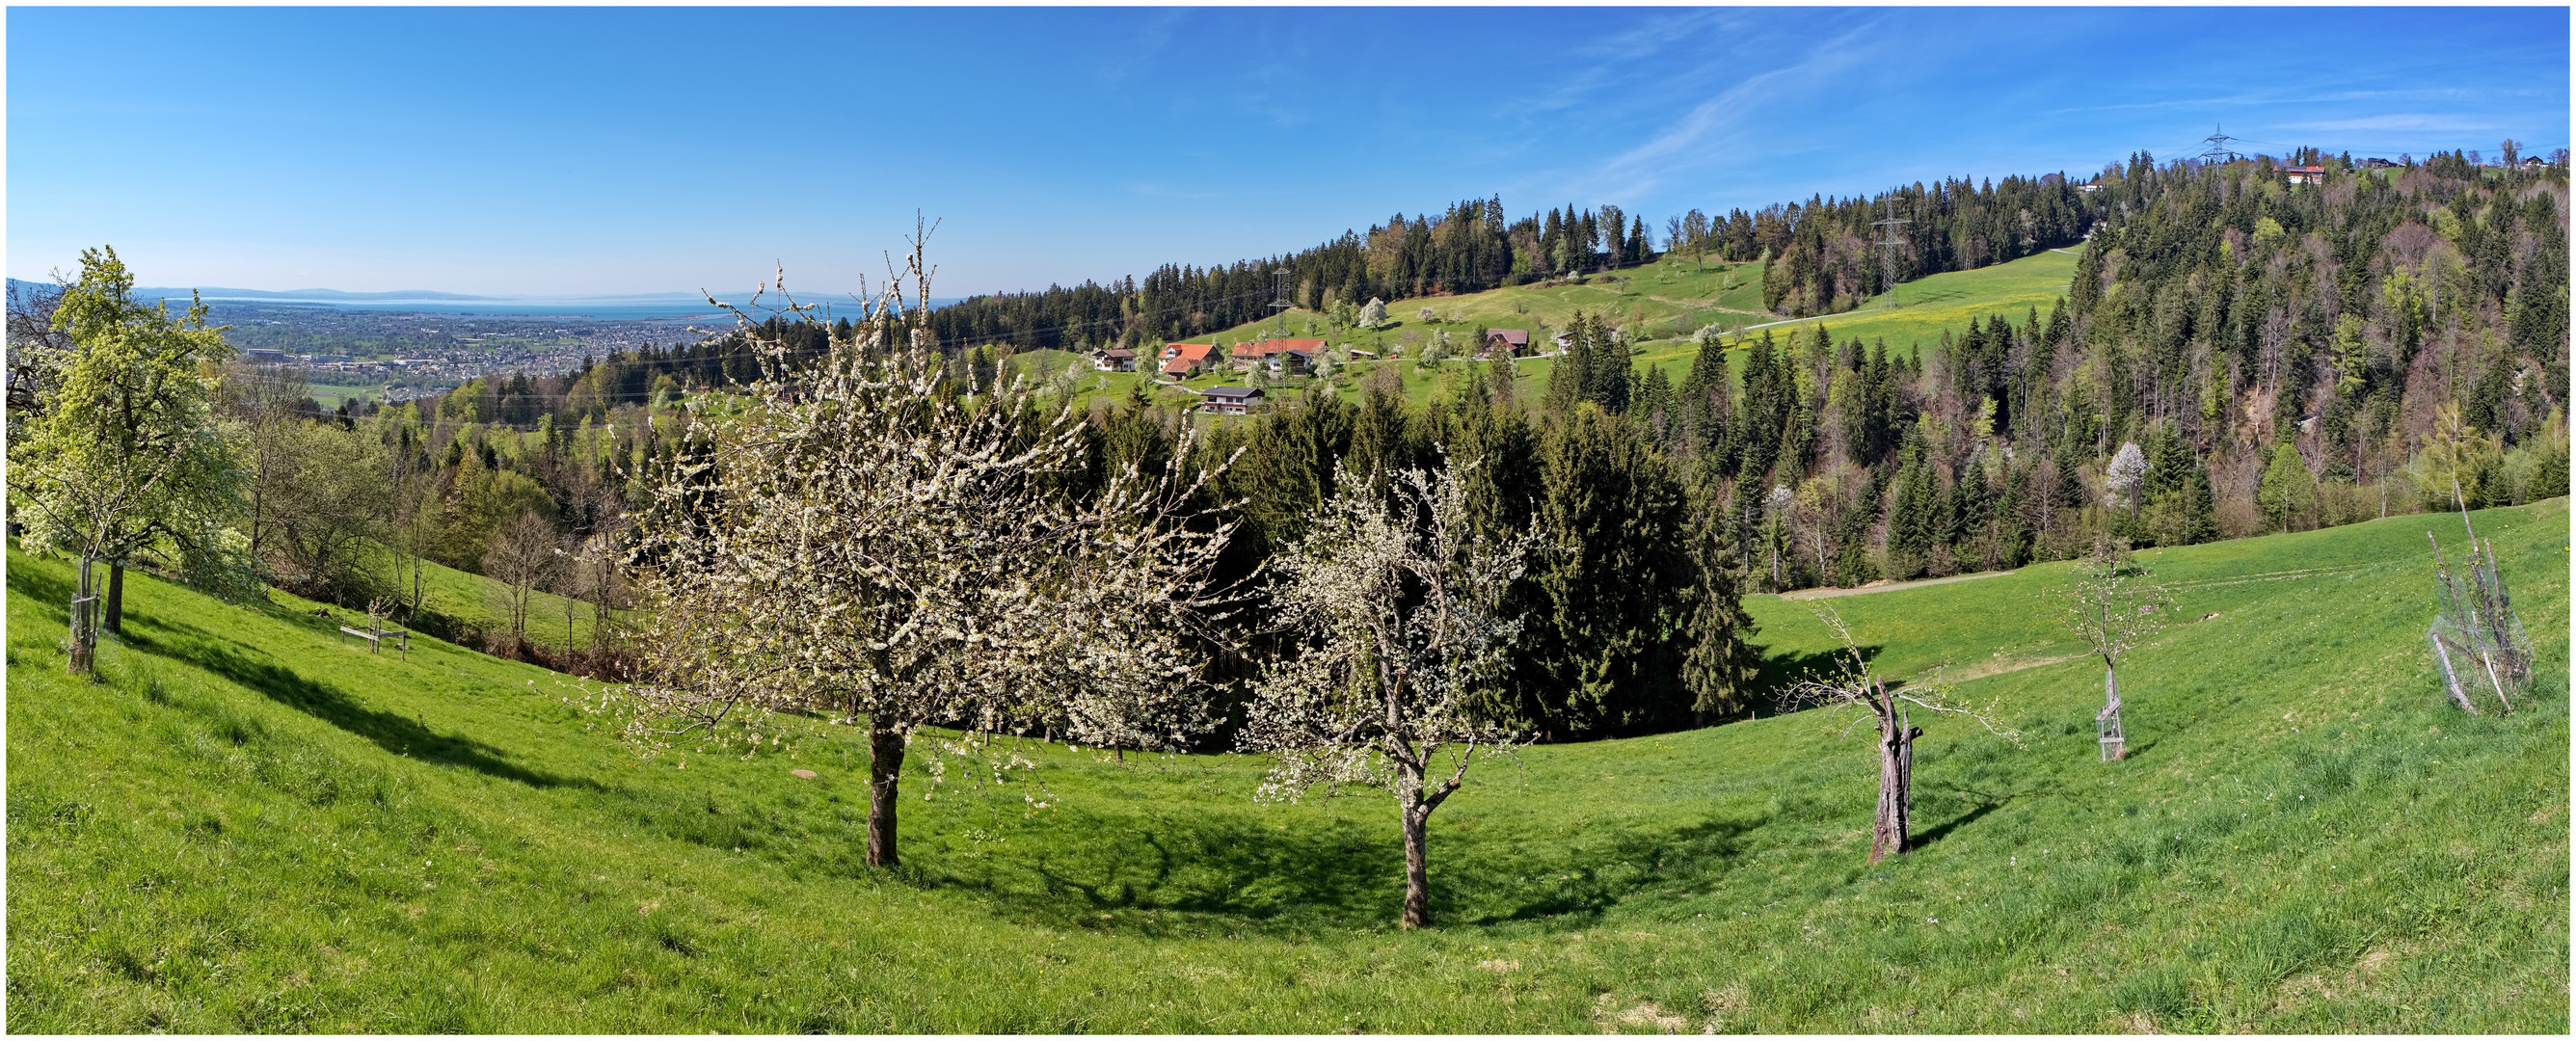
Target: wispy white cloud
[
  {"x": 1647, "y": 50},
  {"x": 1719, "y": 122}
]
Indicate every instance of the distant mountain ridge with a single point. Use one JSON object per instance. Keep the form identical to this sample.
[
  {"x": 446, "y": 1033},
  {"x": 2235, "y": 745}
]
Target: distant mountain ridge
[{"x": 663, "y": 301}]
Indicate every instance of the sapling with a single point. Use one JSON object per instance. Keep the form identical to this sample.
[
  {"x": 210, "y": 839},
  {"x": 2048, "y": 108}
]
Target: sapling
[{"x": 2113, "y": 607}]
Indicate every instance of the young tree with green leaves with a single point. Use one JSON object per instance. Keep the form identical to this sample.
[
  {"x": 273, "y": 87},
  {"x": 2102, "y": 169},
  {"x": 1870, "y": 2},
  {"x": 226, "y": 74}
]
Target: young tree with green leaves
[{"x": 127, "y": 454}]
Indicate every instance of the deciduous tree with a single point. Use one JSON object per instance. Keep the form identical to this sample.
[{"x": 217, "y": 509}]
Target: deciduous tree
[
  {"x": 864, "y": 539},
  {"x": 2113, "y": 607},
  {"x": 1396, "y": 606},
  {"x": 127, "y": 453},
  {"x": 1853, "y": 685}
]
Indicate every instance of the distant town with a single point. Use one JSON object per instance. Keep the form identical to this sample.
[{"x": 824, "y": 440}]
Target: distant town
[{"x": 395, "y": 356}]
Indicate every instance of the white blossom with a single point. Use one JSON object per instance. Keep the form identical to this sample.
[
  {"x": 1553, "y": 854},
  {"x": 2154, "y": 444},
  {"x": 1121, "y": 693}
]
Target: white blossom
[
  {"x": 859, "y": 540},
  {"x": 2127, "y": 472},
  {"x": 1396, "y": 608}
]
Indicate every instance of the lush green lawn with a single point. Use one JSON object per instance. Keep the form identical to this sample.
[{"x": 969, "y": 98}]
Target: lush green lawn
[{"x": 247, "y": 827}]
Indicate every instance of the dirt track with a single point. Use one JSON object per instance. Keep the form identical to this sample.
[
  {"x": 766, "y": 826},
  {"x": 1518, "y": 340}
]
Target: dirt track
[{"x": 1819, "y": 594}]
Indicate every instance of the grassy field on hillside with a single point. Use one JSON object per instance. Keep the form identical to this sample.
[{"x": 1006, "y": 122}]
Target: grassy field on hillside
[
  {"x": 1670, "y": 300},
  {"x": 472, "y": 598},
  {"x": 244, "y": 827}
]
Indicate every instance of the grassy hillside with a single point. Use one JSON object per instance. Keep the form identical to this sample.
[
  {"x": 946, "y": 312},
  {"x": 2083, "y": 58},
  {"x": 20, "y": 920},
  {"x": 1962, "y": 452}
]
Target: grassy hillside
[
  {"x": 475, "y": 600},
  {"x": 247, "y": 827},
  {"x": 1668, "y": 300}
]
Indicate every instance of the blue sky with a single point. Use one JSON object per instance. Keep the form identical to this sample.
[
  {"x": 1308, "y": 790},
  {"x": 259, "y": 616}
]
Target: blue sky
[{"x": 582, "y": 151}]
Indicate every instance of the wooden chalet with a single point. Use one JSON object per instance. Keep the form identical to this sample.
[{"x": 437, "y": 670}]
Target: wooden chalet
[
  {"x": 1231, "y": 401},
  {"x": 1288, "y": 355}
]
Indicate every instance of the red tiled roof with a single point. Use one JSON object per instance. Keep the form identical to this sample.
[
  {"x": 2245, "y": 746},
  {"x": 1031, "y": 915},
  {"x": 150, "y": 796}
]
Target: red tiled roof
[
  {"x": 1266, "y": 348},
  {"x": 1182, "y": 357},
  {"x": 1515, "y": 337}
]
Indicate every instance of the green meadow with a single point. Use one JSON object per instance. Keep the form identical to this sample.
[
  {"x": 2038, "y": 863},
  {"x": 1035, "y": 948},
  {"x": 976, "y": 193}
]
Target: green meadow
[
  {"x": 1667, "y": 300},
  {"x": 244, "y": 825}
]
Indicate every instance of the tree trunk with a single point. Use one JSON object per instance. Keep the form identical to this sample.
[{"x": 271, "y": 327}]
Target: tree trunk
[
  {"x": 2116, "y": 740},
  {"x": 116, "y": 597},
  {"x": 1417, "y": 866},
  {"x": 885, "y": 765},
  {"x": 84, "y": 642},
  {"x": 1890, "y": 829}
]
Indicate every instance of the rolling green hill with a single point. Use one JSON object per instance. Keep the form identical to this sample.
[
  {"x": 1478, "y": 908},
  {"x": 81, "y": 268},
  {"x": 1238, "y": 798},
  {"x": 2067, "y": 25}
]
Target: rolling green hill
[
  {"x": 1668, "y": 300},
  {"x": 247, "y": 827}
]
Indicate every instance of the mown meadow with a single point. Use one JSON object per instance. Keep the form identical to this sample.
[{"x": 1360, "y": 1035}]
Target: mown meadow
[{"x": 245, "y": 825}]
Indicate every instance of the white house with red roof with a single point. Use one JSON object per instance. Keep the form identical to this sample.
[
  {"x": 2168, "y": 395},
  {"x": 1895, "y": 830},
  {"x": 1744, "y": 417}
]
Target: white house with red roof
[{"x": 1184, "y": 360}]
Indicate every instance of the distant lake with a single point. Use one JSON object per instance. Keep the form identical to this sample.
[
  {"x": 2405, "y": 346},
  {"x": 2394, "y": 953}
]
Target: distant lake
[
  {"x": 629, "y": 307},
  {"x": 607, "y": 310}
]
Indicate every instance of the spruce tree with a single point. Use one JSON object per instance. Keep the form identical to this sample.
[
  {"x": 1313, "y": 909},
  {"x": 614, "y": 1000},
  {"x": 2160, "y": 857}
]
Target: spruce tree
[
  {"x": 1613, "y": 586},
  {"x": 1912, "y": 510},
  {"x": 1570, "y": 380},
  {"x": 1720, "y": 660},
  {"x": 1706, "y": 396},
  {"x": 1654, "y": 409}
]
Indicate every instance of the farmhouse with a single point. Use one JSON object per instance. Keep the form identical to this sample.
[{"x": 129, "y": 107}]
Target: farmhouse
[
  {"x": 1291, "y": 355},
  {"x": 1184, "y": 360},
  {"x": 2305, "y": 174},
  {"x": 1232, "y": 401},
  {"x": 1507, "y": 343},
  {"x": 1114, "y": 359}
]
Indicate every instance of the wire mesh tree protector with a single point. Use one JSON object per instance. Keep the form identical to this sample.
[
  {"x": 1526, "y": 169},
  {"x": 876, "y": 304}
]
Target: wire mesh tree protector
[{"x": 2477, "y": 632}]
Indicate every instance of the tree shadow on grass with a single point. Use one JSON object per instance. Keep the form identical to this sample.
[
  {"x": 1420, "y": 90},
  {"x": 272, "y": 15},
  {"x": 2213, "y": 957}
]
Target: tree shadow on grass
[
  {"x": 1596, "y": 876},
  {"x": 1320, "y": 873},
  {"x": 1935, "y": 833},
  {"x": 1780, "y": 672},
  {"x": 389, "y": 731},
  {"x": 1335, "y": 873},
  {"x": 1980, "y": 803},
  {"x": 53, "y": 592}
]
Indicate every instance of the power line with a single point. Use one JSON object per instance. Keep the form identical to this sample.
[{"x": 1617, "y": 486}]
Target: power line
[{"x": 2218, "y": 150}]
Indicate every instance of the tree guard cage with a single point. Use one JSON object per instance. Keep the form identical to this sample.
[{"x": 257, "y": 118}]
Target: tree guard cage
[
  {"x": 2477, "y": 632},
  {"x": 2115, "y": 742}
]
